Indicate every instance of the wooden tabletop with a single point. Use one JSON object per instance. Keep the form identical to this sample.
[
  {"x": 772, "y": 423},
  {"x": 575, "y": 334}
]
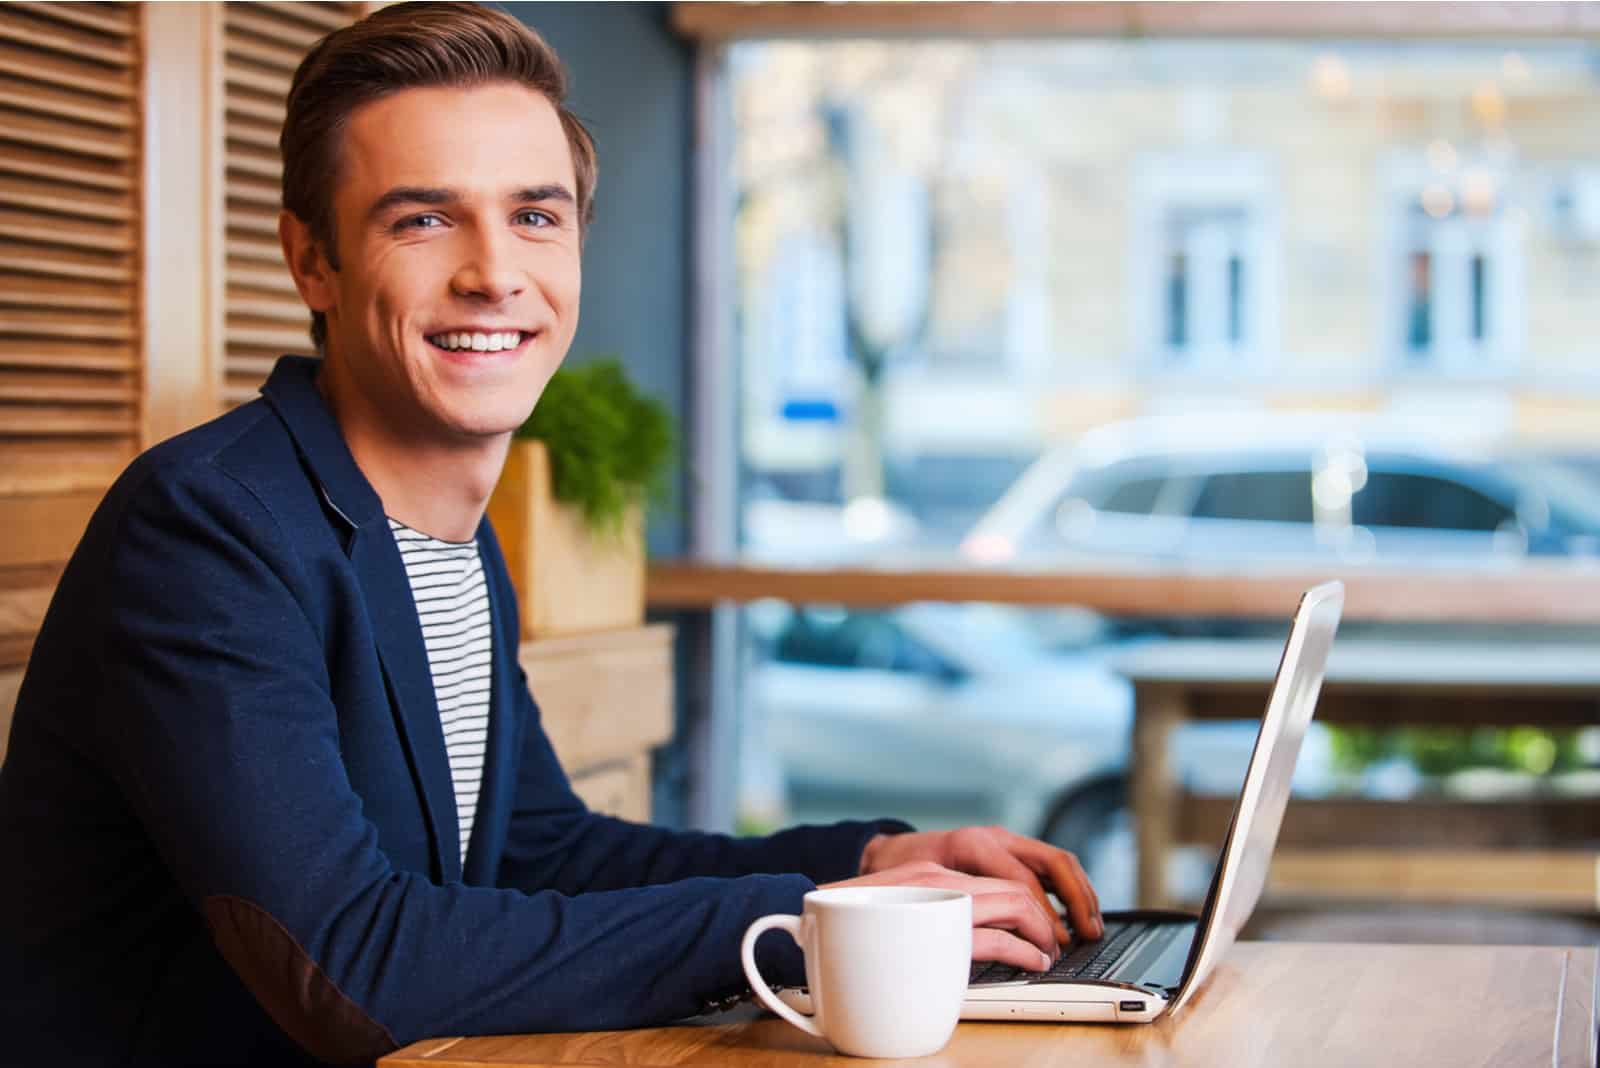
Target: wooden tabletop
[
  {"x": 1269, "y": 1004},
  {"x": 1564, "y": 666},
  {"x": 1531, "y": 592}
]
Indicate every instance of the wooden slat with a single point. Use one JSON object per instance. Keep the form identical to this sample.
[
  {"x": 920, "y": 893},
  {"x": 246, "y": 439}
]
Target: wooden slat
[
  {"x": 1437, "y": 822},
  {"x": 271, "y": 56},
  {"x": 264, "y": 109},
  {"x": 253, "y": 134},
  {"x": 1527, "y": 878},
  {"x": 254, "y": 194},
  {"x": 314, "y": 15},
  {"x": 243, "y": 18},
  {"x": 32, "y": 163},
  {"x": 1533, "y": 593},
  {"x": 66, "y": 73},
  {"x": 31, "y": 291},
  {"x": 53, "y": 324},
  {"x": 259, "y": 252},
  {"x": 255, "y": 276},
  {"x": 253, "y": 222},
  {"x": 258, "y": 364},
  {"x": 66, "y": 136},
  {"x": 259, "y": 166},
  {"x": 112, "y": 21},
  {"x": 61, "y": 263},
  {"x": 287, "y": 311},
  {"x": 67, "y": 392},
  {"x": 65, "y": 420},
  {"x": 10, "y": 683},
  {"x": 54, "y": 198},
  {"x": 39, "y": 100},
  {"x": 43, "y": 528},
  {"x": 21, "y": 611},
  {"x": 27, "y": 226},
  {"x": 53, "y": 465},
  {"x": 234, "y": 393},
  {"x": 62, "y": 42},
  {"x": 274, "y": 85},
  {"x": 267, "y": 337},
  {"x": 33, "y": 352}
]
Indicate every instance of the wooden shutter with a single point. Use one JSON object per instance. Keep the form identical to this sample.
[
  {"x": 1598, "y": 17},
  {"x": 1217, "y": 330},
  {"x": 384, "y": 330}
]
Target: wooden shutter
[
  {"x": 263, "y": 43},
  {"x": 69, "y": 245},
  {"x": 70, "y": 241}
]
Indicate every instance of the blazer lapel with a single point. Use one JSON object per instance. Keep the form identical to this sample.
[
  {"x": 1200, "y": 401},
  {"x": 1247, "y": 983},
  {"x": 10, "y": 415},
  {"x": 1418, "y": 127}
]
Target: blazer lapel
[
  {"x": 496, "y": 795},
  {"x": 405, "y": 667}
]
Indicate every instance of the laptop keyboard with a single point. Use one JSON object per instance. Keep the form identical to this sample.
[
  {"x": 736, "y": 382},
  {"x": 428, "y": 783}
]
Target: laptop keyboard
[{"x": 1085, "y": 960}]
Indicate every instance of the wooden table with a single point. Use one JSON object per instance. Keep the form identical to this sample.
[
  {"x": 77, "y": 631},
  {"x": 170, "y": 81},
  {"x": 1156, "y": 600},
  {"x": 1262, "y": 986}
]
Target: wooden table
[
  {"x": 1360, "y": 845},
  {"x": 1269, "y": 1004}
]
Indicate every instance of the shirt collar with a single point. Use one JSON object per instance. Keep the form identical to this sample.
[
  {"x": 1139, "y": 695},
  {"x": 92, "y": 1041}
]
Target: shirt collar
[{"x": 292, "y": 392}]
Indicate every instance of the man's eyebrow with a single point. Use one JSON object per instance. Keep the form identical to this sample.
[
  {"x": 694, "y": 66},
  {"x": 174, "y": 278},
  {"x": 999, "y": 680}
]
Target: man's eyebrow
[
  {"x": 407, "y": 195},
  {"x": 533, "y": 194}
]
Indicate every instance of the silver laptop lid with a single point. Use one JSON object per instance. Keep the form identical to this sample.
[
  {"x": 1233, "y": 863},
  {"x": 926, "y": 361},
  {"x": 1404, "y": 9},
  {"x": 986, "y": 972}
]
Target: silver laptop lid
[{"x": 1247, "y": 851}]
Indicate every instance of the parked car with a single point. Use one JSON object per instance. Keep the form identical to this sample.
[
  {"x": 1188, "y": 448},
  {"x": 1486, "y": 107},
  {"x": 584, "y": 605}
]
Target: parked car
[
  {"x": 964, "y": 714},
  {"x": 1283, "y": 489}
]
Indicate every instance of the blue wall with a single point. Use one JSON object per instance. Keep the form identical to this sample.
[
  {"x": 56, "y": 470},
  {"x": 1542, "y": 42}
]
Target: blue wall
[{"x": 630, "y": 82}]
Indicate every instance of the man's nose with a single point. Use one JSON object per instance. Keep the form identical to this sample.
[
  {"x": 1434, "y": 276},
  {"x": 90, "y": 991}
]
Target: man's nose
[{"x": 490, "y": 271}]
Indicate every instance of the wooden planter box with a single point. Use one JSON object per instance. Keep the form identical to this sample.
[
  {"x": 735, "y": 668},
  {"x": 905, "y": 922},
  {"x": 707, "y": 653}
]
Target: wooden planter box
[{"x": 567, "y": 581}]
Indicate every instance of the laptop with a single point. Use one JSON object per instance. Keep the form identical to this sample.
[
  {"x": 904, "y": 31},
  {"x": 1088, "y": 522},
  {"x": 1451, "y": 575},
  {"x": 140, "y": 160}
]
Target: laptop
[{"x": 1150, "y": 963}]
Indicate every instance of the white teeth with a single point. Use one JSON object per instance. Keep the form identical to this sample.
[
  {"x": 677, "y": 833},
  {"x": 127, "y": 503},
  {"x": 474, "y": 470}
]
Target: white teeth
[{"x": 478, "y": 342}]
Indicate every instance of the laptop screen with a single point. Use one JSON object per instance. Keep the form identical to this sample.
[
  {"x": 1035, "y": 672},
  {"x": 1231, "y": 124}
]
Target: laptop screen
[{"x": 1247, "y": 851}]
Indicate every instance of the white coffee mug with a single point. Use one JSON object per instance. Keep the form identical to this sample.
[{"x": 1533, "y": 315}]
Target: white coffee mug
[{"x": 887, "y": 966}]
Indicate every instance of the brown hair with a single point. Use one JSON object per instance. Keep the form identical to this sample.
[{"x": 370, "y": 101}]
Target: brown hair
[{"x": 409, "y": 46}]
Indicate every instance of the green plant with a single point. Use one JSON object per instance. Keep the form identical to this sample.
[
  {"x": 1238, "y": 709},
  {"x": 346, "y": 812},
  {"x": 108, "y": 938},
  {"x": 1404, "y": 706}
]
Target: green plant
[
  {"x": 610, "y": 446},
  {"x": 1441, "y": 750}
]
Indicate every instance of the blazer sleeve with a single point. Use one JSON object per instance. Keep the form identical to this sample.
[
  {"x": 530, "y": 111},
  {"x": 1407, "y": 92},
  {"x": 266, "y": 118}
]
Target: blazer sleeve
[
  {"x": 217, "y": 721},
  {"x": 555, "y": 843}
]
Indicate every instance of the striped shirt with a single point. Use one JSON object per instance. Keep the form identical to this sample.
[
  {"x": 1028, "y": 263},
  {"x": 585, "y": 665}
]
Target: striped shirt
[{"x": 453, "y": 606}]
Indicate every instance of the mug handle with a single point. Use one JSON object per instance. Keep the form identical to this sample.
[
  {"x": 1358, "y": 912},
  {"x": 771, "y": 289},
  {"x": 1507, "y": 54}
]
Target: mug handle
[{"x": 747, "y": 954}]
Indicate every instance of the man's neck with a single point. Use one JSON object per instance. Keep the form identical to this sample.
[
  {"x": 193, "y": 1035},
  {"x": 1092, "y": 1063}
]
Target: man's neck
[{"x": 438, "y": 488}]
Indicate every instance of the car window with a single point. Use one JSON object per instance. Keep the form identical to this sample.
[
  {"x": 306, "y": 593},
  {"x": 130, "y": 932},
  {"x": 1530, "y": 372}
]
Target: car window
[
  {"x": 1264, "y": 496},
  {"x": 1130, "y": 488},
  {"x": 1424, "y": 501},
  {"x": 872, "y": 640}
]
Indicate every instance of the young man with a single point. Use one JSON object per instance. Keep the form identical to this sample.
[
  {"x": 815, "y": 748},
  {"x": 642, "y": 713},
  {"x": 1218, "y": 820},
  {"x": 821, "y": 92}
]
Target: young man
[{"x": 276, "y": 787}]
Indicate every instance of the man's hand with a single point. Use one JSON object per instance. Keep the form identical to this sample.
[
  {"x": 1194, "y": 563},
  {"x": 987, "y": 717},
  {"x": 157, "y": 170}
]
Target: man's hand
[
  {"x": 1008, "y": 923},
  {"x": 996, "y": 853}
]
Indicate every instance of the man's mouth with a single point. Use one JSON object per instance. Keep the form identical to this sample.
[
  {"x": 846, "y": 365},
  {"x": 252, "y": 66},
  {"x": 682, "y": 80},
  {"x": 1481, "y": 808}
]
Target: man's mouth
[{"x": 478, "y": 341}]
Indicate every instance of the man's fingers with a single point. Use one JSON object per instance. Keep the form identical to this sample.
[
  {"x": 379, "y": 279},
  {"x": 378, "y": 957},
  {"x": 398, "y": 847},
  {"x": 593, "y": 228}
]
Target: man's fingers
[
  {"x": 989, "y": 943},
  {"x": 1070, "y": 881},
  {"x": 1009, "y": 906},
  {"x": 984, "y": 853}
]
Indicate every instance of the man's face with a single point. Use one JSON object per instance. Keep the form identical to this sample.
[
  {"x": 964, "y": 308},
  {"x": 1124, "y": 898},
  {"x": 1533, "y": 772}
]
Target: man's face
[{"x": 458, "y": 245}]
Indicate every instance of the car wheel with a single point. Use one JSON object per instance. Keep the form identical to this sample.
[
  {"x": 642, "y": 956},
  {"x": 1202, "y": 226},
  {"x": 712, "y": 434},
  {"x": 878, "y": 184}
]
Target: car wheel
[{"x": 1094, "y": 823}]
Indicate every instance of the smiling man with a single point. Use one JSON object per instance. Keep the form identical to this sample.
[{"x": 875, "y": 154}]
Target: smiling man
[{"x": 276, "y": 789}]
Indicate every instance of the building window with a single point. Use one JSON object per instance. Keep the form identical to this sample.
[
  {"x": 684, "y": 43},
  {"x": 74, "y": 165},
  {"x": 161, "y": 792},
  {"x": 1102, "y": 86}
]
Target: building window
[
  {"x": 1205, "y": 261},
  {"x": 1206, "y": 252},
  {"x": 1454, "y": 294}
]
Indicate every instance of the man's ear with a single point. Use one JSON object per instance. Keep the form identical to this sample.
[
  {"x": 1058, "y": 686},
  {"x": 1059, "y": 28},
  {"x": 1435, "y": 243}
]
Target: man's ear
[{"x": 313, "y": 274}]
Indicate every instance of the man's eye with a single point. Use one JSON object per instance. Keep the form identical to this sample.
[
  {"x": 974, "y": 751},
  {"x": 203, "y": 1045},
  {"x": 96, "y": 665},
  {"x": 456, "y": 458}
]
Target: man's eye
[
  {"x": 535, "y": 218},
  {"x": 420, "y": 222}
]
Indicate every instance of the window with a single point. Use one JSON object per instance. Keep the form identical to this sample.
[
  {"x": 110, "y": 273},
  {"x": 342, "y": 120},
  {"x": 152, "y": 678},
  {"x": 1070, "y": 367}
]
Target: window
[
  {"x": 1427, "y": 502},
  {"x": 1261, "y": 496},
  {"x": 1204, "y": 260},
  {"x": 1205, "y": 275},
  {"x": 1457, "y": 263}
]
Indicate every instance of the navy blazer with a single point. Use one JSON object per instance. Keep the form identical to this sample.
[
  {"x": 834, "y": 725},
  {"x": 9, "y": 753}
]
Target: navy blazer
[{"x": 227, "y": 813}]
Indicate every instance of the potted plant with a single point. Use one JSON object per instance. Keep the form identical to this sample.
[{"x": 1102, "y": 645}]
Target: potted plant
[{"x": 569, "y": 507}]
